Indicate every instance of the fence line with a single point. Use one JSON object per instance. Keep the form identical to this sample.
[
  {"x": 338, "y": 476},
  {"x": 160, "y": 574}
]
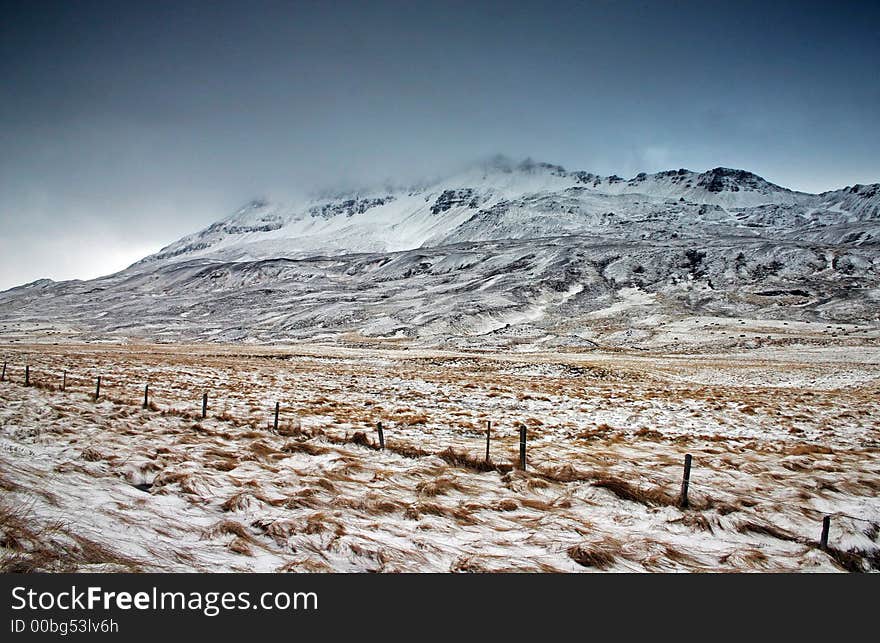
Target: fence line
[{"x": 687, "y": 483}]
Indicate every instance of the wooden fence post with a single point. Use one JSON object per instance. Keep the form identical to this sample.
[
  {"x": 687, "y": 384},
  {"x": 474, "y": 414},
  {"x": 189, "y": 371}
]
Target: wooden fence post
[
  {"x": 381, "y": 436},
  {"x": 488, "y": 434},
  {"x": 204, "y": 406},
  {"x": 522, "y": 448},
  {"x": 3, "y": 375},
  {"x": 98, "y": 388},
  {"x": 146, "y": 396},
  {"x": 826, "y": 525},
  {"x": 277, "y": 406},
  {"x": 27, "y": 375},
  {"x": 685, "y": 482}
]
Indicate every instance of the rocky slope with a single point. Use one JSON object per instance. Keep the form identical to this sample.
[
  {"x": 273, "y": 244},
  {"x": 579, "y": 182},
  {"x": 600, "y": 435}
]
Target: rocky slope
[{"x": 529, "y": 252}]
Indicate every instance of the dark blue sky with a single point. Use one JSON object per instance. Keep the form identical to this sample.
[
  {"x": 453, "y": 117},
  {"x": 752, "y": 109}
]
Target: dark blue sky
[{"x": 125, "y": 125}]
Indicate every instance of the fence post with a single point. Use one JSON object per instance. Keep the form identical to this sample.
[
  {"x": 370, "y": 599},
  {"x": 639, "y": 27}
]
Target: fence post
[
  {"x": 27, "y": 375},
  {"x": 381, "y": 436},
  {"x": 3, "y": 376},
  {"x": 277, "y": 405},
  {"x": 685, "y": 482},
  {"x": 522, "y": 448},
  {"x": 98, "y": 388},
  {"x": 204, "y": 406},
  {"x": 488, "y": 433},
  {"x": 146, "y": 396},
  {"x": 826, "y": 525}
]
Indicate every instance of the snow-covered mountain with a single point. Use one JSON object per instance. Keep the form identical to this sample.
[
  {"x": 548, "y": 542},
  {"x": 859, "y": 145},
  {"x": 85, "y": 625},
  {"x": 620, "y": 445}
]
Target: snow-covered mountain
[
  {"x": 523, "y": 249},
  {"x": 506, "y": 201}
]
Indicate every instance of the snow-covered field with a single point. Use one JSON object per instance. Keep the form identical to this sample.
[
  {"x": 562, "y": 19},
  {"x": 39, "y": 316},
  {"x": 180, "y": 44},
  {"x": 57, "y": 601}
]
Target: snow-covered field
[{"x": 780, "y": 435}]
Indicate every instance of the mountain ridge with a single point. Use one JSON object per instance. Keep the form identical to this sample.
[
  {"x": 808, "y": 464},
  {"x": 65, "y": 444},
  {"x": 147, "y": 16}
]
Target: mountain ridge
[
  {"x": 406, "y": 218},
  {"x": 509, "y": 256}
]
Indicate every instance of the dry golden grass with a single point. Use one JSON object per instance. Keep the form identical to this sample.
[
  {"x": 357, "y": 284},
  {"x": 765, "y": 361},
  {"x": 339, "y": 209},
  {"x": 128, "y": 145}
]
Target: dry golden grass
[
  {"x": 31, "y": 546},
  {"x": 467, "y": 461},
  {"x": 265, "y": 452},
  {"x": 807, "y": 449},
  {"x": 438, "y": 486},
  {"x": 228, "y": 464},
  {"x": 90, "y": 454},
  {"x": 460, "y": 514},
  {"x": 372, "y": 504},
  {"x": 246, "y": 500},
  {"x": 507, "y": 504},
  {"x": 229, "y": 527},
  {"x": 626, "y": 491},
  {"x": 241, "y": 546},
  {"x": 589, "y": 555},
  {"x": 296, "y": 446},
  {"x": 750, "y": 527}
]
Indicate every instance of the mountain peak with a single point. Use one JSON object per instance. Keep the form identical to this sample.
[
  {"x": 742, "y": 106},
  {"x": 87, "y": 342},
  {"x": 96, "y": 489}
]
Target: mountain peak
[
  {"x": 504, "y": 198},
  {"x": 721, "y": 179}
]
